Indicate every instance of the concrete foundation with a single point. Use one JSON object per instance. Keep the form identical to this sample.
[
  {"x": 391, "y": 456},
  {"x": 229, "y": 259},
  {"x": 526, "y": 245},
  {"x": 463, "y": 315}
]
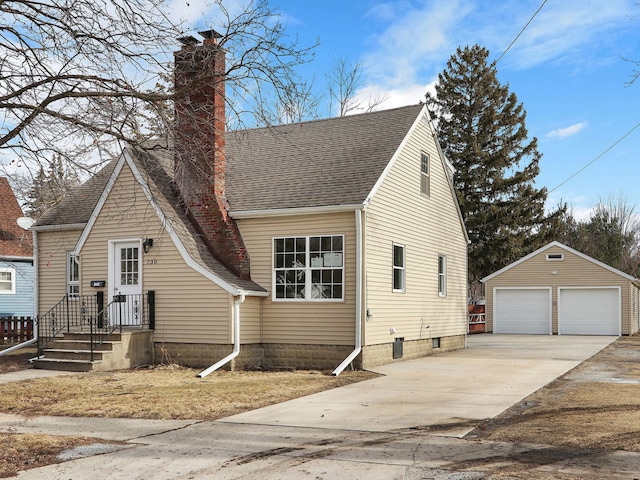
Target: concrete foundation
[
  {"x": 274, "y": 356},
  {"x": 374, "y": 355}
]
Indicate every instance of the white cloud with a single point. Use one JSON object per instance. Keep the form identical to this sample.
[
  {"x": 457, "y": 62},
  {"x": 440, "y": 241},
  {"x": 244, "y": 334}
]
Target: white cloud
[
  {"x": 562, "y": 133},
  {"x": 414, "y": 40},
  {"x": 564, "y": 29},
  {"x": 421, "y": 36}
]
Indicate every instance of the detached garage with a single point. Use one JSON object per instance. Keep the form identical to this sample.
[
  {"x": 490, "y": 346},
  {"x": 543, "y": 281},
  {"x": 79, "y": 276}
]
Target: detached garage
[{"x": 558, "y": 290}]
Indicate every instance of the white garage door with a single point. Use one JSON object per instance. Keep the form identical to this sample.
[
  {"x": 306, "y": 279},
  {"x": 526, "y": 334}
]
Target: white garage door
[
  {"x": 589, "y": 311},
  {"x": 522, "y": 311}
]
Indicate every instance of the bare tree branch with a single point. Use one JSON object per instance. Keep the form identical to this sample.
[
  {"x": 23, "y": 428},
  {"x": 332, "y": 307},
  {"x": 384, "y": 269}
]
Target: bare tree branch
[{"x": 78, "y": 78}]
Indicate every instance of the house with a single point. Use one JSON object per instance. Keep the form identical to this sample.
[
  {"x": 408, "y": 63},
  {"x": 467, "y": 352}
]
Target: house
[
  {"x": 16, "y": 258},
  {"x": 319, "y": 244},
  {"x": 558, "y": 290}
]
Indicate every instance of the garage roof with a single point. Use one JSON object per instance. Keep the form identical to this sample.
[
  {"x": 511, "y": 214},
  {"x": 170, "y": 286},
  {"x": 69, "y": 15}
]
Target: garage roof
[{"x": 568, "y": 249}]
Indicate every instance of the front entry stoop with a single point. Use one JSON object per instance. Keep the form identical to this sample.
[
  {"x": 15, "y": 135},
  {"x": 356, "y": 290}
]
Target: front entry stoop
[
  {"x": 72, "y": 353},
  {"x": 120, "y": 351}
]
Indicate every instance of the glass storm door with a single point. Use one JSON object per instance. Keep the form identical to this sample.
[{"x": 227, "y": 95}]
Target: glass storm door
[{"x": 127, "y": 298}]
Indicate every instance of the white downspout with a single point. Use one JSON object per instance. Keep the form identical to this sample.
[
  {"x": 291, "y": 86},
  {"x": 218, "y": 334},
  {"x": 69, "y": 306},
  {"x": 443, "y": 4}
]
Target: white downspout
[
  {"x": 358, "y": 343},
  {"x": 236, "y": 340},
  {"x": 35, "y": 302}
]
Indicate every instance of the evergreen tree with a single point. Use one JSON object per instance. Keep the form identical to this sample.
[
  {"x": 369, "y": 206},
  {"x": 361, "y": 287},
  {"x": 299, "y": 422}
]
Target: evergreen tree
[
  {"x": 49, "y": 187},
  {"x": 481, "y": 127}
]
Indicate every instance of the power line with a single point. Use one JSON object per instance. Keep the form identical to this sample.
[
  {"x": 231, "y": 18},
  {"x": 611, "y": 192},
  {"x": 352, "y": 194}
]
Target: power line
[
  {"x": 595, "y": 159},
  {"x": 521, "y": 31}
]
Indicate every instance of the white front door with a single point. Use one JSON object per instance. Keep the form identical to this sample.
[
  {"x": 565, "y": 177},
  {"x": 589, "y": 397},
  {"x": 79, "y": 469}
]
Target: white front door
[{"x": 126, "y": 300}]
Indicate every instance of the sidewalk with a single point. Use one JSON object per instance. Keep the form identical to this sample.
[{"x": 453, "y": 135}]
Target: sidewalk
[{"x": 406, "y": 424}]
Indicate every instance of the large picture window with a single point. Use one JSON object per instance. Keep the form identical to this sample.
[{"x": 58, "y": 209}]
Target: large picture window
[
  {"x": 7, "y": 281},
  {"x": 73, "y": 276},
  {"x": 309, "y": 268},
  {"x": 398, "y": 268}
]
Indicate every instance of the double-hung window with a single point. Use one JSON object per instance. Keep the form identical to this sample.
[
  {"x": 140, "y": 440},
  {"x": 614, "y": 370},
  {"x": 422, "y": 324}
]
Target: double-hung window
[
  {"x": 398, "y": 268},
  {"x": 425, "y": 187},
  {"x": 7, "y": 281},
  {"x": 73, "y": 276},
  {"x": 308, "y": 268},
  {"x": 442, "y": 275}
]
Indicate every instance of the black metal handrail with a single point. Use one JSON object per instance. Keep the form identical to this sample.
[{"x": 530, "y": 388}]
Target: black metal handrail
[
  {"x": 136, "y": 310},
  {"x": 80, "y": 312}
]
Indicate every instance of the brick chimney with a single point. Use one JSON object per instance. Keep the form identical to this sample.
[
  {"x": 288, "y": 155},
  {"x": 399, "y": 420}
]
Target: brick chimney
[{"x": 199, "y": 161}]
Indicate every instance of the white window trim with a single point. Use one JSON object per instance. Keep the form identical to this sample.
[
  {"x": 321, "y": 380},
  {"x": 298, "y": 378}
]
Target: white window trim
[
  {"x": 442, "y": 292},
  {"x": 426, "y": 175},
  {"x": 403, "y": 268},
  {"x": 308, "y": 269},
  {"x": 12, "y": 291},
  {"x": 72, "y": 283},
  {"x": 559, "y": 257}
]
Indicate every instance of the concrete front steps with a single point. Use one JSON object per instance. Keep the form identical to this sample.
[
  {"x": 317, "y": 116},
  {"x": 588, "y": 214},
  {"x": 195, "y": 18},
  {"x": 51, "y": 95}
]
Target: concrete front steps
[{"x": 72, "y": 352}]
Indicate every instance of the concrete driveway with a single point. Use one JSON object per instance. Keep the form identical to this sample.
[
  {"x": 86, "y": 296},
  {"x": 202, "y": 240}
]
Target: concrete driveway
[
  {"x": 403, "y": 425},
  {"x": 446, "y": 394}
]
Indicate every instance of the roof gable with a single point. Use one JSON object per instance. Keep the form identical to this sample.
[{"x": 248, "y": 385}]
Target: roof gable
[
  {"x": 566, "y": 248},
  {"x": 153, "y": 175},
  {"x": 14, "y": 241}
]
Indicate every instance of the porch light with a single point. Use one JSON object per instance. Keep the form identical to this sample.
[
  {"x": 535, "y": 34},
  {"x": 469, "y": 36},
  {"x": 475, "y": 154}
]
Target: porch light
[{"x": 147, "y": 244}]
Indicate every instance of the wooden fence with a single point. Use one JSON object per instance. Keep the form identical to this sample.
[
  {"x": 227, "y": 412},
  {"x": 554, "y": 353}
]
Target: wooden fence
[{"x": 14, "y": 330}]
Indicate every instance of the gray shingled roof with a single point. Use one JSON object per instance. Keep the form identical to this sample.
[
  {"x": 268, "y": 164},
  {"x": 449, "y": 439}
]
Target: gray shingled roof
[
  {"x": 311, "y": 164},
  {"x": 328, "y": 162},
  {"x": 77, "y": 205},
  {"x": 158, "y": 174}
]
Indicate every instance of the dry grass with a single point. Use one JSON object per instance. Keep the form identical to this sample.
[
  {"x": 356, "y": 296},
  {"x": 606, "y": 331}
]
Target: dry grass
[
  {"x": 16, "y": 360},
  {"x": 164, "y": 393},
  {"x": 155, "y": 393},
  {"x": 594, "y": 406},
  {"x": 25, "y": 451}
]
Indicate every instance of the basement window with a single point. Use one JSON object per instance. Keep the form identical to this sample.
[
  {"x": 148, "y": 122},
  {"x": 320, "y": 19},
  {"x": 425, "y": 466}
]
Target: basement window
[
  {"x": 435, "y": 342},
  {"x": 555, "y": 257}
]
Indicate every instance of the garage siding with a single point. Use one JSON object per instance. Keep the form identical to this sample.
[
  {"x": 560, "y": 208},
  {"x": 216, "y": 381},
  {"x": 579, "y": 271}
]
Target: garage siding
[{"x": 573, "y": 271}]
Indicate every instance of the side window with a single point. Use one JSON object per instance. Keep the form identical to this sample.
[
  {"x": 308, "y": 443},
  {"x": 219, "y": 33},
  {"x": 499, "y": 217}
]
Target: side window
[
  {"x": 7, "y": 281},
  {"x": 442, "y": 275},
  {"x": 425, "y": 186},
  {"x": 73, "y": 276},
  {"x": 398, "y": 268}
]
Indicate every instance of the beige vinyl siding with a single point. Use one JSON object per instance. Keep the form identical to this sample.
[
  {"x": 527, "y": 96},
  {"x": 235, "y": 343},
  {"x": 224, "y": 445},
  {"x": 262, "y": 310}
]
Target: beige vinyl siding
[
  {"x": 189, "y": 307},
  {"x": 573, "y": 271},
  {"x": 634, "y": 304},
  {"x": 52, "y": 266},
  {"x": 250, "y": 325},
  {"x": 323, "y": 323},
  {"x": 427, "y": 226}
]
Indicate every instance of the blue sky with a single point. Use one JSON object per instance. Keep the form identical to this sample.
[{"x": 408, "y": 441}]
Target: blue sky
[{"x": 569, "y": 68}]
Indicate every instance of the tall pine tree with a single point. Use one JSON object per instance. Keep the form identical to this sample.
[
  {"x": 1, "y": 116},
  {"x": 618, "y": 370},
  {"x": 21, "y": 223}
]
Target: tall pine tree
[
  {"x": 481, "y": 127},
  {"x": 49, "y": 187}
]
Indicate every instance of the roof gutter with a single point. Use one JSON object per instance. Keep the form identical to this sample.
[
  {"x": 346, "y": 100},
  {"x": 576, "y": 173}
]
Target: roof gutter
[
  {"x": 283, "y": 212},
  {"x": 358, "y": 343},
  {"x": 55, "y": 228},
  {"x": 236, "y": 340},
  {"x": 10, "y": 258}
]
